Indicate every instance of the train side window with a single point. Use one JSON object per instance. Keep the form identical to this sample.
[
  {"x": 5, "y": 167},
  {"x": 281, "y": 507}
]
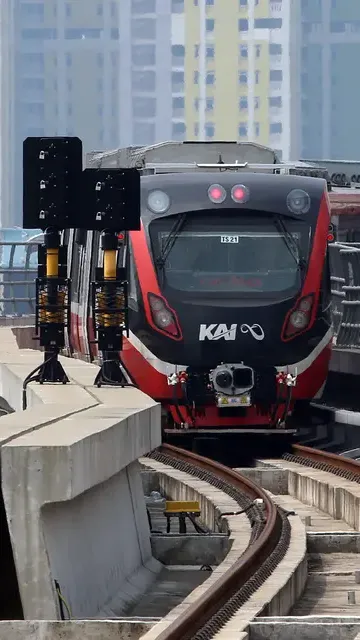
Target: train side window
[
  {"x": 133, "y": 298},
  {"x": 79, "y": 247},
  {"x": 94, "y": 254},
  {"x": 326, "y": 283}
]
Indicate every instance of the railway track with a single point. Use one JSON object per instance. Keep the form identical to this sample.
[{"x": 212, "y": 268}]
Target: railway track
[
  {"x": 269, "y": 540},
  {"x": 270, "y": 537},
  {"x": 325, "y": 461}
]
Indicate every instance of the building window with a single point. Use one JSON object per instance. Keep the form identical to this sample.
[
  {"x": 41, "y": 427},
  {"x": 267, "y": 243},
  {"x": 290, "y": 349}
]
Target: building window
[
  {"x": 68, "y": 58},
  {"x": 258, "y": 50},
  {"x": 34, "y": 9},
  {"x": 257, "y": 102},
  {"x": 99, "y": 10},
  {"x": 243, "y": 24},
  {"x": 210, "y": 52},
  {"x": 243, "y": 77},
  {"x": 243, "y": 130},
  {"x": 257, "y": 77},
  {"x": 179, "y": 130},
  {"x": 39, "y": 34},
  {"x": 243, "y": 51},
  {"x": 209, "y": 129},
  {"x": 257, "y": 129},
  {"x": 83, "y": 34},
  {"x": 100, "y": 60},
  {"x": 243, "y": 3},
  {"x": 143, "y": 55},
  {"x": 275, "y": 49},
  {"x": 178, "y": 55},
  {"x": 143, "y": 6},
  {"x": 210, "y": 77},
  {"x": 196, "y": 77},
  {"x": 114, "y": 34},
  {"x": 210, "y": 25},
  {"x": 275, "y": 128},
  {"x": 210, "y": 102},
  {"x": 177, "y": 78},
  {"x": 68, "y": 10},
  {"x": 177, "y": 6},
  {"x": 276, "y": 75},
  {"x": 143, "y": 28},
  {"x": 243, "y": 103},
  {"x": 143, "y": 80},
  {"x": 268, "y": 23},
  {"x": 275, "y": 101},
  {"x": 196, "y": 104},
  {"x": 144, "y": 107},
  {"x": 178, "y": 105},
  {"x": 196, "y": 50},
  {"x": 196, "y": 129}
]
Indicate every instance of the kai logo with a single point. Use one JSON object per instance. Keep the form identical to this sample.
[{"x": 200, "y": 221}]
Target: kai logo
[
  {"x": 217, "y": 331},
  {"x": 225, "y": 332}
]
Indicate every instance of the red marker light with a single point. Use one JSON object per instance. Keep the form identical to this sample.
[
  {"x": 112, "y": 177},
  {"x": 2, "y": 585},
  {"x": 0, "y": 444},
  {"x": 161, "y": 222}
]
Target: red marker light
[
  {"x": 331, "y": 237},
  {"x": 217, "y": 193},
  {"x": 239, "y": 193},
  {"x": 121, "y": 236}
]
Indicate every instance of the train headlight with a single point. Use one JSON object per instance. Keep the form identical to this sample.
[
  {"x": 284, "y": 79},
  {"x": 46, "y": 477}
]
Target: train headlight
[
  {"x": 217, "y": 193},
  {"x": 298, "y": 201},
  {"x": 240, "y": 194},
  {"x": 299, "y": 319},
  {"x": 158, "y": 201}
]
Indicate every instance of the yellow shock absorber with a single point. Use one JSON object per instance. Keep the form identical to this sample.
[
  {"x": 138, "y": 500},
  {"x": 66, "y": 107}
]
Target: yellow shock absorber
[
  {"x": 52, "y": 263},
  {"x": 110, "y": 264}
]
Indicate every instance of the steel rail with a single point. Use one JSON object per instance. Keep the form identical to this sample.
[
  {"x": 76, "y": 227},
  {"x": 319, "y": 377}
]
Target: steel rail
[
  {"x": 198, "y": 614},
  {"x": 326, "y": 461}
]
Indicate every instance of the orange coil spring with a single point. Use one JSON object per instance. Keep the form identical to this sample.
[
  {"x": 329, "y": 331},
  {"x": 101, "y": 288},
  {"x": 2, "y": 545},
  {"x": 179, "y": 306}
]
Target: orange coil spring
[
  {"x": 117, "y": 301},
  {"x": 53, "y": 317}
]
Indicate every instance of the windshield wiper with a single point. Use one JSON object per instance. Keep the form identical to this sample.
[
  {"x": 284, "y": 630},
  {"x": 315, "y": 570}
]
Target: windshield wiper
[
  {"x": 291, "y": 243},
  {"x": 171, "y": 239}
]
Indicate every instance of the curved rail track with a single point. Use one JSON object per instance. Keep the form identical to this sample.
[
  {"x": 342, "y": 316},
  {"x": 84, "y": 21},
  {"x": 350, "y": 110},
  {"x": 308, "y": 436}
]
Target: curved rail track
[
  {"x": 325, "y": 461},
  {"x": 268, "y": 544}
]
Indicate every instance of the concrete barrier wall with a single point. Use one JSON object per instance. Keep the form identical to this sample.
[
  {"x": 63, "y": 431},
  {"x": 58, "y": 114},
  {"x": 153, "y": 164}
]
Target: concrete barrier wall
[{"x": 72, "y": 490}]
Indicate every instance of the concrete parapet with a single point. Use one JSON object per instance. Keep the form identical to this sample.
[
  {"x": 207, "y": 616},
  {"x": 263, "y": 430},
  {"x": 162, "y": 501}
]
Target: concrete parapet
[
  {"x": 72, "y": 490},
  {"x": 309, "y": 628},
  {"x": 74, "y": 630}
]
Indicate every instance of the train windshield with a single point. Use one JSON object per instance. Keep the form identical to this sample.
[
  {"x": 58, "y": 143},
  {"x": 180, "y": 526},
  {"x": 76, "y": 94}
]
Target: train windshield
[{"x": 253, "y": 255}]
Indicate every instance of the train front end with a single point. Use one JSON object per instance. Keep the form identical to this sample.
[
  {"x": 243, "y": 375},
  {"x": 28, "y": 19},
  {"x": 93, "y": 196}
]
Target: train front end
[{"x": 230, "y": 300}]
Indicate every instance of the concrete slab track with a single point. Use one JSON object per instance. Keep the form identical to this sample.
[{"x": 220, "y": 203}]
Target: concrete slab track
[{"x": 72, "y": 490}]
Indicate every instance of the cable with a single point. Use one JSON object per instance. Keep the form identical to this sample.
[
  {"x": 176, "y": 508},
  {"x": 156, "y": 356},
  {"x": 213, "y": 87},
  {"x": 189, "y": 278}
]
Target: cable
[
  {"x": 62, "y": 601},
  {"x": 31, "y": 377},
  {"x": 112, "y": 383}
]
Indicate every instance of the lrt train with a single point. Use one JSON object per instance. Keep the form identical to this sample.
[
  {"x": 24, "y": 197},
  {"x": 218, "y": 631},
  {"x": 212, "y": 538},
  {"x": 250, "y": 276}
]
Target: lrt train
[{"x": 229, "y": 297}]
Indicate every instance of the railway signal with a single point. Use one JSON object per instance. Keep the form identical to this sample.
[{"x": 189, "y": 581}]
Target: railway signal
[{"x": 58, "y": 195}]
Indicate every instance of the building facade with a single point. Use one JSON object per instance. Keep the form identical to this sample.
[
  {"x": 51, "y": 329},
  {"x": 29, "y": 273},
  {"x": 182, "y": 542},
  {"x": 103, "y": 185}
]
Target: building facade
[
  {"x": 239, "y": 63},
  {"x": 102, "y": 70},
  {"x": 330, "y": 92}
]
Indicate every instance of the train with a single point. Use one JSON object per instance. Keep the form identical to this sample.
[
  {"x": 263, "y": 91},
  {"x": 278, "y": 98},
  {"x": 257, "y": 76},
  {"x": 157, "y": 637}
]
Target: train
[{"x": 229, "y": 295}]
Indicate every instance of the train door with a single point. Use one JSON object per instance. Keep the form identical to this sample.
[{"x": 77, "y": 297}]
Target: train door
[
  {"x": 76, "y": 274},
  {"x": 84, "y": 297}
]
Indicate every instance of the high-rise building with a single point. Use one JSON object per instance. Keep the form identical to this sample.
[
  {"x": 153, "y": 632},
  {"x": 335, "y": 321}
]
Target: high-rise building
[
  {"x": 240, "y": 58},
  {"x": 102, "y": 70},
  {"x": 330, "y": 91}
]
